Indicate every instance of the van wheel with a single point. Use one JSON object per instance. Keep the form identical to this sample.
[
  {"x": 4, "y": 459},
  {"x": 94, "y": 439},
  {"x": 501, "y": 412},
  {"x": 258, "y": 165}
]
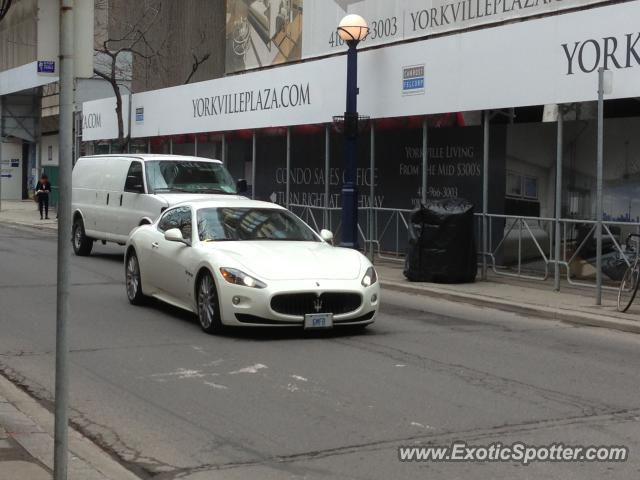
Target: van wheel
[{"x": 82, "y": 244}]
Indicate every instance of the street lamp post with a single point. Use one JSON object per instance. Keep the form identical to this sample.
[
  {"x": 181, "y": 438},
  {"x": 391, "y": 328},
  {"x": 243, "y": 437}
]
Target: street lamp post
[{"x": 352, "y": 29}]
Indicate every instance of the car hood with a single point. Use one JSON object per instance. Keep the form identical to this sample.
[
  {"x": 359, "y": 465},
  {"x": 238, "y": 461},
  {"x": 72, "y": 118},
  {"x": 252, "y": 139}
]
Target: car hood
[
  {"x": 283, "y": 260},
  {"x": 175, "y": 198}
]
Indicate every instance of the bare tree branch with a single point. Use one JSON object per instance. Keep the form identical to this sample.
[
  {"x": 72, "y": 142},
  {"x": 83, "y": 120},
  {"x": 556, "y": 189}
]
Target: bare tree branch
[
  {"x": 196, "y": 64},
  {"x": 197, "y": 61},
  {"x": 134, "y": 42}
]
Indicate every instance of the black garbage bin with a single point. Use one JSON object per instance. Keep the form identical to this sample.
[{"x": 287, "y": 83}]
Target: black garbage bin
[{"x": 442, "y": 246}]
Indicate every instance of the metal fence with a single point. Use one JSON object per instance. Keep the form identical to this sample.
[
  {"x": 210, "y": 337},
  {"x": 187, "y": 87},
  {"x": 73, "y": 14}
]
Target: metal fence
[{"x": 517, "y": 246}]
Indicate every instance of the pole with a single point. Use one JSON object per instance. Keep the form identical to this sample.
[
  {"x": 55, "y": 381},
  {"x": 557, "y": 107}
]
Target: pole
[
  {"x": 253, "y": 166},
  {"x": 558, "y": 233},
  {"x": 288, "y": 169},
  {"x": 349, "y": 186},
  {"x": 224, "y": 150},
  {"x": 425, "y": 159},
  {"x": 485, "y": 193},
  {"x": 129, "y": 124},
  {"x": 599, "y": 168},
  {"x": 64, "y": 240},
  {"x": 327, "y": 163},
  {"x": 77, "y": 122},
  {"x": 195, "y": 145},
  {"x": 372, "y": 191},
  {"x": 1, "y": 142}
]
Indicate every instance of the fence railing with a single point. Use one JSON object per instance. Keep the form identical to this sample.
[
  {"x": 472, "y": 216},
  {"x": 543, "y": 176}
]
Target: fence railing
[{"x": 517, "y": 246}]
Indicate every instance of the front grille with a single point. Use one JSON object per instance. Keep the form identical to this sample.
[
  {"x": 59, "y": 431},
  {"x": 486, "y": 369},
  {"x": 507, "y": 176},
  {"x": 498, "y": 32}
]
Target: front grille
[{"x": 329, "y": 302}]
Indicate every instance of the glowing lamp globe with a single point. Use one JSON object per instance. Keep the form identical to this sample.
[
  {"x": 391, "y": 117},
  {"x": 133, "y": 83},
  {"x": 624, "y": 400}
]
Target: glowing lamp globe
[{"x": 353, "y": 28}]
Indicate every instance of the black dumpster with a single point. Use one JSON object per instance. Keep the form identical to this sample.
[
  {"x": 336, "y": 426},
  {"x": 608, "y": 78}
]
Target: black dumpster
[{"x": 442, "y": 246}]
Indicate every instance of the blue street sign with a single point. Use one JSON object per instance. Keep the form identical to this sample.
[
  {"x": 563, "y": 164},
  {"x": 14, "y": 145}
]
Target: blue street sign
[{"x": 46, "y": 66}]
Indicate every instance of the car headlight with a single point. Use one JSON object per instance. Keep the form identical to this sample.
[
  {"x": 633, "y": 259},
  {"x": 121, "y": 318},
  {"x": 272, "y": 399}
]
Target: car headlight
[
  {"x": 238, "y": 277},
  {"x": 370, "y": 277}
]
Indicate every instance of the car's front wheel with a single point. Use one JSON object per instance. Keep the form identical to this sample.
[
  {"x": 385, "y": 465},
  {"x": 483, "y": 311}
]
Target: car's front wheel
[
  {"x": 208, "y": 306},
  {"x": 82, "y": 244},
  {"x": 133, "y": 280}
]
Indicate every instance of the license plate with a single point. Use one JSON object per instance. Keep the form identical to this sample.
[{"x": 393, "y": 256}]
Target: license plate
[{"x": 315, "y": 321}]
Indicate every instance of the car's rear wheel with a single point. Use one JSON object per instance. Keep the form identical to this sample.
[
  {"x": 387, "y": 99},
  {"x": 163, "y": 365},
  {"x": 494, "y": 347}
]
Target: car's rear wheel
[
  {"x": 208, "y": 306},
  {"x": 133, "y": 280},
  {"x": 82, "y": 244}
]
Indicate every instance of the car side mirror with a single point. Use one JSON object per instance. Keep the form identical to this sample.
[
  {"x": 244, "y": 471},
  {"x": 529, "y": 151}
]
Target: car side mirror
[
  {"x": 241, "y": 186},
  {"x": 327, "y": 236},
  {"x": 175, "y": 235}
]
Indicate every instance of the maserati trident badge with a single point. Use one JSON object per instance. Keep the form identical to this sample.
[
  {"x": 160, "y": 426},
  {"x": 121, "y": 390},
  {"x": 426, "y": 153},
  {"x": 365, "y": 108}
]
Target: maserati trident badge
[{"x": 317, "y": 304}]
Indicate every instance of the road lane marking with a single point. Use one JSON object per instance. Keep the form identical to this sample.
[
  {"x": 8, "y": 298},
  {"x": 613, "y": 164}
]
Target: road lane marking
[{"x": 251, "y": 369}]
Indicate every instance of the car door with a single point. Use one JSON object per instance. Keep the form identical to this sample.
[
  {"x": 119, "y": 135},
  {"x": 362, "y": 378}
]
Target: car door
[{"x": 170, "y": 262}]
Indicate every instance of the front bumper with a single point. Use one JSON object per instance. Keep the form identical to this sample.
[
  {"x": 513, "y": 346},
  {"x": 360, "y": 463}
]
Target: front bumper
[{"x": 253, "y": 306}]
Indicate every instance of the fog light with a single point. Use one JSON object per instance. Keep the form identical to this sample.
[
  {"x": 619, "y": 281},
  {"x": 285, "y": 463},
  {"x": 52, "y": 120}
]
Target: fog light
[
  {"x": 374, "y": 298},
  {"x": 235, "y": 300}
]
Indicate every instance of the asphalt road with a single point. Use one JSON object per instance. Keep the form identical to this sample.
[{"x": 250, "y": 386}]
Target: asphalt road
[{"x": 175, "y": 403}]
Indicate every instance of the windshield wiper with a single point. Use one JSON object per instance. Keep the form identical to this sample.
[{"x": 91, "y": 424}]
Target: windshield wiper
[
  {"x": 212, "y": 190},
  {"x": 172, "y": 189}
]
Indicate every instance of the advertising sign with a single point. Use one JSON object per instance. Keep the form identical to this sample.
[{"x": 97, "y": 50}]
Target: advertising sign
[
  {"x": 270, "y": 32},
  {"x": 454, "y": 167},
  {"x": 263, "y": 32}
]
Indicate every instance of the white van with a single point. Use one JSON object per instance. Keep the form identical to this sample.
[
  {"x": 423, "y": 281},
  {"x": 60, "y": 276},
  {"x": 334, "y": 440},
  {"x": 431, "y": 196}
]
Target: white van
[{"x": 113, "y": 194}]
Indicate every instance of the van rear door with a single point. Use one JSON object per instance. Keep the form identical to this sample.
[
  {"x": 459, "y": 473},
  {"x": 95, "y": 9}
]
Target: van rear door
[{"x": 87, "y": 184}]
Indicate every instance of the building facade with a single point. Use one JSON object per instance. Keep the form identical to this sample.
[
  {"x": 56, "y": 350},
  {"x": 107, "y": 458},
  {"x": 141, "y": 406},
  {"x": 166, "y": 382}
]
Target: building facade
[{"x": 150, "y": 44}]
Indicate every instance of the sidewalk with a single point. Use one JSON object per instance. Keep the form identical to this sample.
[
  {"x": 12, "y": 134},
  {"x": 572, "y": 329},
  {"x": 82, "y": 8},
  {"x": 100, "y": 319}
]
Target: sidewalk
[
  {"x": 572, "y": 304},
  {"x": 25, "y": 213},
  {"x": 26, "y": 444}
]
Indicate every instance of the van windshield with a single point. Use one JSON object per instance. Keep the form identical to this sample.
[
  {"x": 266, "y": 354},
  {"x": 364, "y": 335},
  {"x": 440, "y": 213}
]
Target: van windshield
[{"x": 175, "y": 176}]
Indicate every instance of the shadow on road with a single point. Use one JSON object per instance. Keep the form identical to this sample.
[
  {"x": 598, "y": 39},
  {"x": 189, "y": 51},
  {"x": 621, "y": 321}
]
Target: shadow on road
[{"x": 258, "y": 333}]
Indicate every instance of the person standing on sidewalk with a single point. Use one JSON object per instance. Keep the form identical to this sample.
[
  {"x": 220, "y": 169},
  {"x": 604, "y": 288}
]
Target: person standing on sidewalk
[{"x": 43, "y": 189}]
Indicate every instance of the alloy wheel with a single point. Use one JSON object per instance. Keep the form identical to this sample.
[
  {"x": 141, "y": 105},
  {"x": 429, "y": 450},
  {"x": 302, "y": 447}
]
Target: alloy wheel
[
  {"x": 206, "y": 302},
  {"x": 133, "y": 277}
]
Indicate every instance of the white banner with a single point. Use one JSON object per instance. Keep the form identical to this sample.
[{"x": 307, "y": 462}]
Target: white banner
[
  {"x": 269, "y": 32},
  {"x": 545, "y": 61},
  {"x": 99, "y": 122}
]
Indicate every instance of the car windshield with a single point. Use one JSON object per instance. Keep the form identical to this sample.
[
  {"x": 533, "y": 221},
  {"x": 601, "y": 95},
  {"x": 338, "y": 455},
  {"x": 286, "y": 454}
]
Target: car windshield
[
  {"x": 167, "y": 176},
  {"x": 236, "y": 224}
]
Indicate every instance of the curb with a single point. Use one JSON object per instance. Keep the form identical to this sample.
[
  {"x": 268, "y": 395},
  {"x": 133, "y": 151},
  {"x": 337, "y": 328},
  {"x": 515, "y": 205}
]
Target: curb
[
  {"x": 34, "y": 226},
  {"x": 550, "y": 313},
  {"x": 31, "y": 425}
]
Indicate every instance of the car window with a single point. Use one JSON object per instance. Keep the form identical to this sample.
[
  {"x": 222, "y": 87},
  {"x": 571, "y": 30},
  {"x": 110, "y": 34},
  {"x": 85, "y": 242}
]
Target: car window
[
  {"x": 179, "y": 218},
  {"x": 237, "y": 224},
  {"x": 134, "y": 182}
]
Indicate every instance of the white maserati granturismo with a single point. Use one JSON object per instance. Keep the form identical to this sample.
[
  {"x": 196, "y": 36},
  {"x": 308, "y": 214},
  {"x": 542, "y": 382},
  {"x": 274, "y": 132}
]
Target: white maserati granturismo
[{"x": 241, "y": 262}]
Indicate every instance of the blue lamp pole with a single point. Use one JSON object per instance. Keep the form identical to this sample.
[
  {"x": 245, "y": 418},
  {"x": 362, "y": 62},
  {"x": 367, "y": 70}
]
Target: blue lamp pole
[{"x": 352, "y": 29}]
